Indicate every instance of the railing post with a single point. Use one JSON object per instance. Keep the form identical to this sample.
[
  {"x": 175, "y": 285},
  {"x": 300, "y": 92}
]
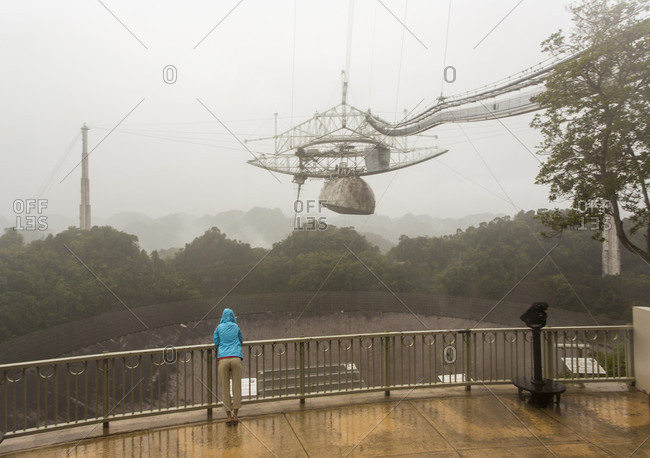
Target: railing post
[
  {"x": 629, "y": 355},
  {"x": 105, "y": 393},
  {"x": 209, "y": 381},
  {"x": 385, "y": 355},
  {"x": 549, "y": 362},
  {"x": 467, "y": 358},
  {"x": 302, "y": 372}
]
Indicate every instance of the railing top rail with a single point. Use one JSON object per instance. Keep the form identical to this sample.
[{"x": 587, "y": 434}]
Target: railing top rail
[
  {"x": 619, "y": 327},
  {"x": 135, "y": 353}
]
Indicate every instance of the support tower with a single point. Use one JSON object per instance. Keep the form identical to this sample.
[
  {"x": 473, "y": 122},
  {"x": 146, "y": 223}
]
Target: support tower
[
  {"x": 84, "y": 208},
  {"x": 611, "y": 252}
]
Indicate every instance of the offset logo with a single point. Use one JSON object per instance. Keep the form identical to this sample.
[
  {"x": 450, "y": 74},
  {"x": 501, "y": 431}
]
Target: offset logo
[
  {"x": 593, "y": 215},
  {"x": 29, "y": 214},
  {"x": 308, "y": 222}
]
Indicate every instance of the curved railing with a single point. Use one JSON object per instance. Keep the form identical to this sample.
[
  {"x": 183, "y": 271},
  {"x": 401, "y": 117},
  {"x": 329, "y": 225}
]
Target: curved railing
[{"x": 60, "y": 393}]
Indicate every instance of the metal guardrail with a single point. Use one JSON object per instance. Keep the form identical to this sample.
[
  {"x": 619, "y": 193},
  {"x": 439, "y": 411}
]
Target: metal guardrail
[{"x": 46, "y": 395}]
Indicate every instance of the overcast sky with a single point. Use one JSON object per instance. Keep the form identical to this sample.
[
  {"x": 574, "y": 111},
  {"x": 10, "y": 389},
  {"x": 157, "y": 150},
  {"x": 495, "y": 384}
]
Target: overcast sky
[{"x": 64, "y": 63}]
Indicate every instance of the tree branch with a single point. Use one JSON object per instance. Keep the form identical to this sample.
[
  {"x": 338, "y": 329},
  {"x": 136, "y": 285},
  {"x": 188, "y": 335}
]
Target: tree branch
[{"x": 622, "y": 236}]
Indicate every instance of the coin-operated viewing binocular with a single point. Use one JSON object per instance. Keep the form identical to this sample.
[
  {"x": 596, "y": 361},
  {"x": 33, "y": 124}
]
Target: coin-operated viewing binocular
[
  {"x": 542, "y": 390},
  {"x": 535, "y": 316}
]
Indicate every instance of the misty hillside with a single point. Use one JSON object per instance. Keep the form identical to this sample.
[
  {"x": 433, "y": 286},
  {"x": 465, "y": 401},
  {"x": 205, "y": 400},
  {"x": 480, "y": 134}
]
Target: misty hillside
[
  {"x": 55, "y": 223},
  {"x": 259, "y": 227},
  {"x": 411, "y": 225}
]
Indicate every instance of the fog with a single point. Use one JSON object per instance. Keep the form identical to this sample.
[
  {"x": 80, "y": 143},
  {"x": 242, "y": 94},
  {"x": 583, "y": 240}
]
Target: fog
[{"x": 157, "y": 150}]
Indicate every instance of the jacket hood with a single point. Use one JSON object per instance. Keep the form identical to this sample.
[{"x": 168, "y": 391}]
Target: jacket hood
[{"x": 228, "y": 316}]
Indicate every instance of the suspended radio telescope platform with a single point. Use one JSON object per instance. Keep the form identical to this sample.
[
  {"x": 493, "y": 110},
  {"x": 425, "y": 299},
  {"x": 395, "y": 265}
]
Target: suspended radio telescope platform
[{"x": 341, "y": 146}]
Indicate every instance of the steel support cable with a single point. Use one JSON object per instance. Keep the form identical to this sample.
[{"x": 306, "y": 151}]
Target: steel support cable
[
  {"x": 372, "y": 56},
  {"x": 348, "y": 55},
  {"x": 401, "y": 56},
  {"x": 295, "y": 211},
  {"x": 184, "y": 140},
  {"x": 293, "y": 58},
  {"x": 444, "y": 58},
  {"x": 48, "y": 183}
]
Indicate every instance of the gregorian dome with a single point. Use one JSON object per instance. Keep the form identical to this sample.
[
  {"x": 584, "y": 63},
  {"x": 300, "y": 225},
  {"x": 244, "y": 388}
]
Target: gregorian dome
[{"x": 348, "y": 195}]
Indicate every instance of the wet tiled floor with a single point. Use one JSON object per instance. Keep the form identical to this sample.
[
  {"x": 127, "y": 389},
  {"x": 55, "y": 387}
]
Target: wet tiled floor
[{"x": 595, "y": 420}]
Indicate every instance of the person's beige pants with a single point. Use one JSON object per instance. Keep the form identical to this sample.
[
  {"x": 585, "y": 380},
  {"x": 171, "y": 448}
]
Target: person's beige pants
[{"x": 230, "y": 367}]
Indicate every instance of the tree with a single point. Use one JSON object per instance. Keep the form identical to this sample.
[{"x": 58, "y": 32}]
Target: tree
[
  {"x": 11, "y": 238},
  {"x": 596, "y": 127},
  {"x": 77, "y": 274},
  {"x": 336, "y": 259},
  {"x": 215, "y": 263}
]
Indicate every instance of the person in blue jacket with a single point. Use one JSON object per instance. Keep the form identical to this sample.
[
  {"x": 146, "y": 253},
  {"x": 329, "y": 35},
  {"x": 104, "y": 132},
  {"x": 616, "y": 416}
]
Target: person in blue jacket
[{"x": 228, "y": 338}]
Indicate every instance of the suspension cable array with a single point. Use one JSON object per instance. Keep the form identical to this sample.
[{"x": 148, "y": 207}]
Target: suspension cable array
[{"x": 509, "y": 97}]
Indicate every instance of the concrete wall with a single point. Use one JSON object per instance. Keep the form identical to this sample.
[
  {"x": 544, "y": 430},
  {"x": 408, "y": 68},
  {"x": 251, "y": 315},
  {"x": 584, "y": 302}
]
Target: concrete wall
[{"x": 641, "y": 316}]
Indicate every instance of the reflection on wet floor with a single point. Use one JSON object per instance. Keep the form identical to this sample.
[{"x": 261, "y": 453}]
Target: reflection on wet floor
[{"x": 479, "y": 423}]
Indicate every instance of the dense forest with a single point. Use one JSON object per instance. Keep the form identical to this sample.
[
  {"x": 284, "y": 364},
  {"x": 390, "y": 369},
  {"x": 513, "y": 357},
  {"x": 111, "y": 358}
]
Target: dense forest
[{"x": 76, "y": 274}]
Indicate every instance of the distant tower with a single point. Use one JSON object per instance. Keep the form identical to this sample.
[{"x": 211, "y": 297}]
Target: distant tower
[
  {"x": 84, "y": 208},
  {"x": 611, "y": 252}
]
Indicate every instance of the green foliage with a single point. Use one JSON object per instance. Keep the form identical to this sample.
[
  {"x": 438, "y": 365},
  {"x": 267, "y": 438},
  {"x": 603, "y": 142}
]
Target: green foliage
[
  {"x": 613, "y": 361},
  {"x": 75, "y": 274},
  {"x": 500, "y": 259},
  {"x": 10, "y": 238},
  {"x": 213, "y": 263},
  {"x": 57, "y": 279},
  {"x": 595, "y": 127},
  {"x": 337, "y": 259}
]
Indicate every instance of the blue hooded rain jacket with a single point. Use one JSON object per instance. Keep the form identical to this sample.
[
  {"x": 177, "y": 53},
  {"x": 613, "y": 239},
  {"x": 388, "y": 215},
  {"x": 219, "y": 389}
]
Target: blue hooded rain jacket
[{"x": 228, "y": 336}]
